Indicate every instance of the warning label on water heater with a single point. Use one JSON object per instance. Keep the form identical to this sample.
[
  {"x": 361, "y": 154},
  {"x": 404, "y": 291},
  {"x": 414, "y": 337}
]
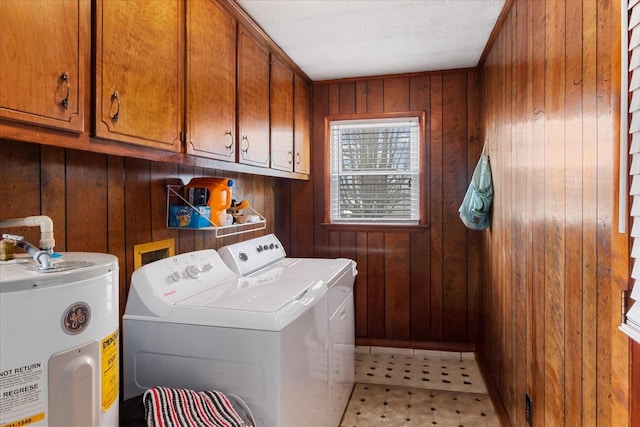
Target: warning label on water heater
[
  {"x": 110, "y": 369},
  {"x": 21, "y": 394}
]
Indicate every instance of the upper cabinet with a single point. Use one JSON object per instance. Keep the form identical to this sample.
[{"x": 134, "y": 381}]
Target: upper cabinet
[
  {"x": 302, "y": 126},
  {"x": 281, "y": 116},
  {"x": 43, "y": 49},
  {"x": 139, "y": 72},
  {"x": 253, "y": 101},
  {"x": 211, "y": 81},
  {"x": 194, "y": 82}
]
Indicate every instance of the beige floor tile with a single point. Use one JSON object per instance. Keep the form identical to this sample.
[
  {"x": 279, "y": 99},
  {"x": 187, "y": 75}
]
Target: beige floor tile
[
  {"x": 425, "y": 390},
  {"x": 433, "y": 354},
  {"x": 392, "y": 350},
  {"x": 420, "y": 372},
  {"x": 362, "y": 349}
]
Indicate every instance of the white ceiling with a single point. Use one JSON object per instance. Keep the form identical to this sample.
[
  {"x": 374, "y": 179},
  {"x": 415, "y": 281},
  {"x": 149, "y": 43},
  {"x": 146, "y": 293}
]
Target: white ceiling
[{"x": 334, "y": 39}]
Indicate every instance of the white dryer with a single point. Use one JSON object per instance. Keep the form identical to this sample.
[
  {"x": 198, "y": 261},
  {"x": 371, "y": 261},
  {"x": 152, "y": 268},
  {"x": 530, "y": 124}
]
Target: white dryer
[
  {"x": 264, "y": 258},
  {"x": 59, "y": 341},
  {"x": 190, "y": 322}
]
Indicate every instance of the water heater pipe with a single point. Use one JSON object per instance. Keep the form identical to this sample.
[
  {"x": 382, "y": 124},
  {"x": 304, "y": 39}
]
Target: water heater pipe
[{"x": 47, "y": 242}]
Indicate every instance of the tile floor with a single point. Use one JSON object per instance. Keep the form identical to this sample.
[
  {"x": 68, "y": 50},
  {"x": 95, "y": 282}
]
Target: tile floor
[{"x": 407, "y": 388}]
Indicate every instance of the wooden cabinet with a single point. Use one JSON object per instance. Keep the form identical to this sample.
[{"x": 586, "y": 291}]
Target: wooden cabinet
[
  {"x": 253, "y": 101},
  {"x": 281, "y": 116},
  {"x": 211, "y": 81},
  {"x": 43, "y": 58},
  {"x": 302, "y": 126},
  {"x": 139, "y": 72},
  {"x": 152, "y": 76}
]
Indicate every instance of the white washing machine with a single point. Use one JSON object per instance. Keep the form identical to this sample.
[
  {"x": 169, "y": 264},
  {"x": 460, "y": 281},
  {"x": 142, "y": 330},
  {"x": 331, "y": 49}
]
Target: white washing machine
[
  {"x": 59, "y": 342},
  {"x": 264, "y": 258},
  {"x": 190, "y": 322}
]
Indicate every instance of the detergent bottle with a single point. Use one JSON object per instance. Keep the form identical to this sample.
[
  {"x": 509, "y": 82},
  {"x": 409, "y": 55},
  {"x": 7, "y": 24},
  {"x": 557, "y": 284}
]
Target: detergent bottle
[{"x": 214, "y": 192}]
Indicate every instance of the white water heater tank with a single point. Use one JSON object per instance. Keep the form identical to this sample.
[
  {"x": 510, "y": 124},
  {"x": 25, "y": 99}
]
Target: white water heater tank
[{"x": 59, "y": 342}]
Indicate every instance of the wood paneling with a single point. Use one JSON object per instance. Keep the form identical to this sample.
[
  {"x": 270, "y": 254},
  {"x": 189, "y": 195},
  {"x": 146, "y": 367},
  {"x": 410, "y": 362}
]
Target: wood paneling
[
  {"x": 554, "y": 262},
  {"x": 538, "y": 291},
  {"x": 103, "y": 203},
  {"x": 411, "y": 286}
]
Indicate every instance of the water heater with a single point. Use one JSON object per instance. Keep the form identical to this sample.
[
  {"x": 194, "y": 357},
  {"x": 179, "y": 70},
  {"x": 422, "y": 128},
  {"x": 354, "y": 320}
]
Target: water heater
[{"x": 59, "y": 341}]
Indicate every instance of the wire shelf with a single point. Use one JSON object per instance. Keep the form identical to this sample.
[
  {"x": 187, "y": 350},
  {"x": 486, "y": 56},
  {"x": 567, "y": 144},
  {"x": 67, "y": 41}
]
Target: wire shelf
[{"x": 220, "y": 231}]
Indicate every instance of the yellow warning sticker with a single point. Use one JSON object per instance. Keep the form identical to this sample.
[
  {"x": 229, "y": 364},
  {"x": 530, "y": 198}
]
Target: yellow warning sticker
[
  {"x": 110, "y": 369},
  {"x": 25, "y": 421}
]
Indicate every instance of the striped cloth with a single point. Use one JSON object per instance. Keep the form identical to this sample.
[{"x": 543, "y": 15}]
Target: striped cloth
[{"x": 166, "y": 407}]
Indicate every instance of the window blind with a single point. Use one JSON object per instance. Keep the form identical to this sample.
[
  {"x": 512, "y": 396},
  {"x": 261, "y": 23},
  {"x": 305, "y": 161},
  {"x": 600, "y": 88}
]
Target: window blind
[
  {"x": 631, "y": 322},
  {"x": 375, "y": 171}
]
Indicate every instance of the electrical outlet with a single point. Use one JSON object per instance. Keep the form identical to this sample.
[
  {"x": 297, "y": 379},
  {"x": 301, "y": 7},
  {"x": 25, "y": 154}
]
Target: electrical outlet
[{"x": 528, "y": 408}]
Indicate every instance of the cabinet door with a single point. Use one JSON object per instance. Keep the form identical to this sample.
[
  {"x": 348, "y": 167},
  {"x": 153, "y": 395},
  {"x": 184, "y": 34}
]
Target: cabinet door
[
  {"x": 139, "y": 72},
  {"x": 211, "y": 81},
  {"x": 281, "y": 116},
  {"x": 302, "y": 126},
  {"x": 253, "y": 101},
  {"x": 43, "y": 62}
]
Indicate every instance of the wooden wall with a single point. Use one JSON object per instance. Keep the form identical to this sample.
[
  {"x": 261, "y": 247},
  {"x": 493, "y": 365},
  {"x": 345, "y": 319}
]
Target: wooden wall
[
  {"x": 412, "y": 287},
  {"x": 555, "y": 263},
  {"x": 539, "y": 292},
  {"x": 108, "y": 204}
]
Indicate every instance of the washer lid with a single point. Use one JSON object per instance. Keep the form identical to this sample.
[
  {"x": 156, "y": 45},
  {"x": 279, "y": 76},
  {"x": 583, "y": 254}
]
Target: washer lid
[
  {"x": 255, "y": 294},
  {"x": 272, "y": 307}
]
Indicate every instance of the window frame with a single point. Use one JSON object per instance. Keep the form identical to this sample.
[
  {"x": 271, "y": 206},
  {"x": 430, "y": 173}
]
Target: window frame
[{"x": 423, "y": 204}]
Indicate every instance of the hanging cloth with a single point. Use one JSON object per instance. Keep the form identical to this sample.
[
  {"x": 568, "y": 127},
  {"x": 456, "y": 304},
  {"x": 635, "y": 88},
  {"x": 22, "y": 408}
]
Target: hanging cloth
[{"x": 475, "y": 211}]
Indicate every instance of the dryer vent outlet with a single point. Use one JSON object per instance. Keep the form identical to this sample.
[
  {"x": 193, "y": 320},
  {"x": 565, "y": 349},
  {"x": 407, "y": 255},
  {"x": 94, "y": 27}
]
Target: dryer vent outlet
[{"x": 528, "y": 408}]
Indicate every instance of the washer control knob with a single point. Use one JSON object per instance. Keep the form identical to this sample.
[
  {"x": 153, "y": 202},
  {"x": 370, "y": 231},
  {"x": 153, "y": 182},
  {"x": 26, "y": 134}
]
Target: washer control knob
[
  {"x": 271, "y": 246},
  {"x": 207, "y": 267},
  {"x": 265, "y": 247},
  {"x": 259, "y": 248},
  {"x": 243, "y": 256},
  {"x": 193, "y": 271},
  {"x": 176, "y": 276}
]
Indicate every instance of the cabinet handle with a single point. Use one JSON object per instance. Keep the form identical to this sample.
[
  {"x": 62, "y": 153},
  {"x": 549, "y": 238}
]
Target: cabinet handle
[
  {"x": 298, "y": 158},
  {"x": 65, "y": 79},
  {"x": 289, "y": 157},
  {"x": 230, "y": 146},
  {"x": 244, "y": 150},
  {"x": 115, "y": 97}
]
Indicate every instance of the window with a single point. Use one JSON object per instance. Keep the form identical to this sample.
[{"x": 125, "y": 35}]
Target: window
[
  {"x": 376, "y": 169},
  {"x": 631, "y": 64}
]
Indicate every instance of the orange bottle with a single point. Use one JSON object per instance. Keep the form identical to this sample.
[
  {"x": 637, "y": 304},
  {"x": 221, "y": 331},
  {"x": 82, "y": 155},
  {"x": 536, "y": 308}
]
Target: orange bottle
[{"x": 214, "y": 192}]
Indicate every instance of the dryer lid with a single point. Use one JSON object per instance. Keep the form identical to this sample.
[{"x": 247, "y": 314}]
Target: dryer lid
[{"x": 325, "y": 269}]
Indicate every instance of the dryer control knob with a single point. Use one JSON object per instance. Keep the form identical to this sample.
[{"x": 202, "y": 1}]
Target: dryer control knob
[
  {"x": 207, "y": 267},
  {"x": 176, "y": 276},
  {"x": 193, "y": 271}
]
